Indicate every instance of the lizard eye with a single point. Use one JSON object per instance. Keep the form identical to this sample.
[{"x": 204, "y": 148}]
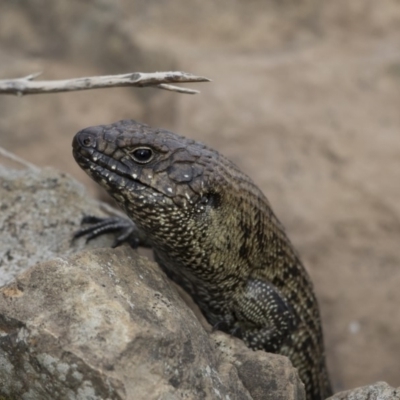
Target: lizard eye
[{"x": 142, "y": 155}]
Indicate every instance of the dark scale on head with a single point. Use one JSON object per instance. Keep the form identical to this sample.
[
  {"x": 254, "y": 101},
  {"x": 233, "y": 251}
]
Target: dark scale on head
[{"x": 214, "y": 233}]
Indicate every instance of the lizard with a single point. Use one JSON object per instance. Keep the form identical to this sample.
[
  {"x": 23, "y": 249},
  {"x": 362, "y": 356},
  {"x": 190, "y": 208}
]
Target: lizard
[{"x": 214, "y": 233}]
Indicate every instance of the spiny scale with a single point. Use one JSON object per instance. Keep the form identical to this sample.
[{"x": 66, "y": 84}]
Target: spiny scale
[{"x": 215, "y": 234}]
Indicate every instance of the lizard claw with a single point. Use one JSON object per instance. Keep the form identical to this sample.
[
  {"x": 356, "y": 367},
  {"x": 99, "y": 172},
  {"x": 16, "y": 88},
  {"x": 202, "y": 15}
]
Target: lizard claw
[{"x": 126, "y": 229}]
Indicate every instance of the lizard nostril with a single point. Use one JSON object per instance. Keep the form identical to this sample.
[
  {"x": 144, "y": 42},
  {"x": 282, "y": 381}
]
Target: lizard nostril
[{"x": 86, "y": 141}]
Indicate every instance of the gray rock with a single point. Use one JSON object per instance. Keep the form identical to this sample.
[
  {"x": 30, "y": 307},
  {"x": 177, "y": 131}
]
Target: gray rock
[
  {"x": 39, "y": 211},
  {"x": 104, "y": 323},
  {"x": 377, "y": 391},
  {"x": 259, "y": 370}
]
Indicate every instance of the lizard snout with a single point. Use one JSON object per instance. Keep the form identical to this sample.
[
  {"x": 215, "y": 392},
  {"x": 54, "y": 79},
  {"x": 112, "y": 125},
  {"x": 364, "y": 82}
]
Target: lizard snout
[{"x": 84, "y": 139}]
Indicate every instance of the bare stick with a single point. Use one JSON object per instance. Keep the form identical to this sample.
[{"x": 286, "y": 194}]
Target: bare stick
[
  {"x": 13, "y": 157},
  {"x": 162, "y": 80}
]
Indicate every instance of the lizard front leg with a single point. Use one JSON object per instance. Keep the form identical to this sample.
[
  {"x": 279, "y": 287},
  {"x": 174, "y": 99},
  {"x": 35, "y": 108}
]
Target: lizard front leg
[
  {"x": 126, "y": 230},
  {"x": 264, "y": 317}
]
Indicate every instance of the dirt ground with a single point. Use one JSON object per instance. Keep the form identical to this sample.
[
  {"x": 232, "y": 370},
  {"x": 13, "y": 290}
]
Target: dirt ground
[{"x": 305, "y": 98}]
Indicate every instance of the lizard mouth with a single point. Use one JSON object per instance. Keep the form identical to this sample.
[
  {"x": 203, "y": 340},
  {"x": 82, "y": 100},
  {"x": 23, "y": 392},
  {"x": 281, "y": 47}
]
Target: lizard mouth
[{"x": 107, "y": 171}]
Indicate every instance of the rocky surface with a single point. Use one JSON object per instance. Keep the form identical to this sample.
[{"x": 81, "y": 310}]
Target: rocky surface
[
  {"x": 377, "y": 391},
  {"x": 305, "y": 99},
  {"x": 39, "y": 211},
  {"x": 104, "y": 323},
  {"x": 258, "y": 370}
]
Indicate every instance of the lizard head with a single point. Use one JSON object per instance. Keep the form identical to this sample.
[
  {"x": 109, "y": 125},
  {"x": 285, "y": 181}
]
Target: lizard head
[{"x": 153, "y": 174}]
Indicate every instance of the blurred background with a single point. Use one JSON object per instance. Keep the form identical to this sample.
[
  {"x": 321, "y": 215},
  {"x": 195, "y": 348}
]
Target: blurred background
[{"x": 305, "y": 99}]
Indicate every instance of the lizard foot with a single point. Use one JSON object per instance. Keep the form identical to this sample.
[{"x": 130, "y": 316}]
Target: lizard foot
[{"x": 126, "y": 229}]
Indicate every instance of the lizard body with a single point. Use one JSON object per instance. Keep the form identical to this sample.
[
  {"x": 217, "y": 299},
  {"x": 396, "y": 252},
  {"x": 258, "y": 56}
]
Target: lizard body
[{"x": 214, "y": 233}]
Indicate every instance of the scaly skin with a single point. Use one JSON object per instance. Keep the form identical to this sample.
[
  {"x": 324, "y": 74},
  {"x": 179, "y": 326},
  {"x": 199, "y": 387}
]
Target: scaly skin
[{"x": 215, "y": 234}]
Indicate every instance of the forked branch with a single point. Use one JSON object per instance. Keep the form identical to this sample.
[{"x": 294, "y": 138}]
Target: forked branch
[{"x": 161, "y": 80}]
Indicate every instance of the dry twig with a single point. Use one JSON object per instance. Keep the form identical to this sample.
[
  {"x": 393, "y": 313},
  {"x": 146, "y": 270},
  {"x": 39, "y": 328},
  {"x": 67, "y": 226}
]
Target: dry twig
[
  {"x": 13, "y": 157},
  {"x": 162, "y": 80}
]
